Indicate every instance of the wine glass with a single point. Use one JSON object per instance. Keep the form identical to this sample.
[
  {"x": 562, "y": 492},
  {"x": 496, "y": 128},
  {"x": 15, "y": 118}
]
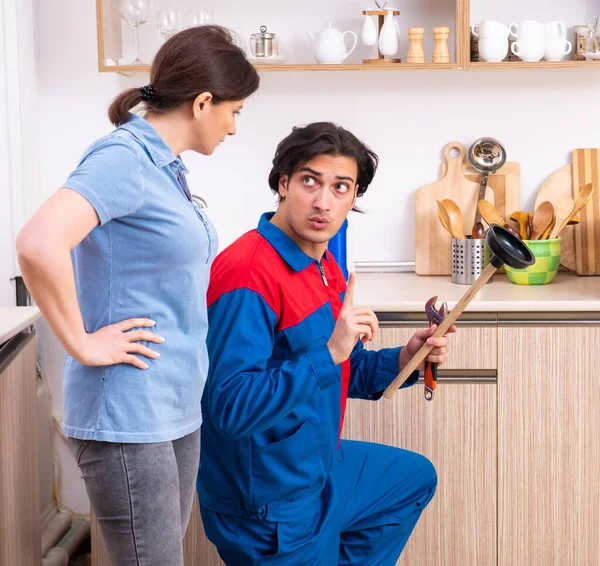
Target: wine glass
[
  {"x": 135, "y": 13},
  {"x": 191, "y": 19},
  {"x": 168, "y": 23},
  {"x": 593, "y": 31},
  {"x": 194, "y": 18},
  {"x": 208, "y": 17}
]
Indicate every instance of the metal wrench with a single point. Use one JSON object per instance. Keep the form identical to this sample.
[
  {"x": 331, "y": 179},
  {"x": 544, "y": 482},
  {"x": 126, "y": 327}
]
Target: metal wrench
[{"x": 434, "y": 316}]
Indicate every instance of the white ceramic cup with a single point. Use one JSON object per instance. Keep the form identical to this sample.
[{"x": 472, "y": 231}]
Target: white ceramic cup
[
  {"x": 556, "y": 29},
  {"x": 493, "y": 50},
  {"x": 530, "y": 51},
  {"x": 527, "y": 30},
  {"x": 490, "y": 29},
  {"x": 556, "y": 48}
]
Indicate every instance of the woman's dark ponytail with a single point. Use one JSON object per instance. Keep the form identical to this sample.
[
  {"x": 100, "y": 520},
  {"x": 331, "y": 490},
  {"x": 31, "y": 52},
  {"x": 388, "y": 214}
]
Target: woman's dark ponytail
[{"x": 118, "y": 113}]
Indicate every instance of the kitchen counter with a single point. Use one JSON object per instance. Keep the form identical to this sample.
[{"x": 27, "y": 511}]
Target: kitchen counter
[
  {"x": 408, "y": 292},
  {"x": 15, "y": 319}
]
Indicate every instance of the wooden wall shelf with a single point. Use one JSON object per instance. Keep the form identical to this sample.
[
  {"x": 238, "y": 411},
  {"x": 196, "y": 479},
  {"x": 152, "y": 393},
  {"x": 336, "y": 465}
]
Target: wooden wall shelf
[
  {"x": 127, "y": 69},
  {"x": 538, "y": 65},
  {"x": 110, "y": 47},
  {"x": 359, "y": 67}
]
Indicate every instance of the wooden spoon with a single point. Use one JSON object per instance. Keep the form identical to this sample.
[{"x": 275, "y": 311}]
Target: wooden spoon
[
  {"x": 522, "y": 219},
  {"x": 548, "y": 231},
  {"x": 443, "y": 217},
  {"x": 478, "y": 231},
  {"x": 562, "y": 210},
  {"x": 490, "y": 213},
  {"x": 542, "y": 218},
  {"x": 453, "y": 218},
  {"x": 512, "y": 230},
  {"x": 585, "y": 194}
]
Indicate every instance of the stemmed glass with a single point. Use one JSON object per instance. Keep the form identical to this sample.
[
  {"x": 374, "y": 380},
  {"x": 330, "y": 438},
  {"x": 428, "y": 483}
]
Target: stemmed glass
[
  {"x": 135, "y": 13},
  {"x": 195, "y": 18},
  {"x": 168, "y": 23}
]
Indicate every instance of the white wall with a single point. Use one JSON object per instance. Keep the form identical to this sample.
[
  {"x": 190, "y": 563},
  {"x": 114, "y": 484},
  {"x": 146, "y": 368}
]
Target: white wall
[
  {"x": 18, "y": 130},
  {"x": 407, "y": 117}
]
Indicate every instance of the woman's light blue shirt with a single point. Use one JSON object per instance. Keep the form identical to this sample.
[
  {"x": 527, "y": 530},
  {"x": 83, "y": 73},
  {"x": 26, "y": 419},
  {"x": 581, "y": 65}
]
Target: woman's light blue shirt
[{"x": 150, "y": 256}]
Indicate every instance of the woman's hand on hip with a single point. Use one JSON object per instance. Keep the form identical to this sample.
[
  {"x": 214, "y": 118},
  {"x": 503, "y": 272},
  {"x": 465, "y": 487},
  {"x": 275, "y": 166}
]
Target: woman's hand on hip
[{"x": 117, "y": 344}]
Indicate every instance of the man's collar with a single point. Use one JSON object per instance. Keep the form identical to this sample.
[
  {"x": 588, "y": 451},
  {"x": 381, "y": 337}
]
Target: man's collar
[{"x": 289, "y": 250}]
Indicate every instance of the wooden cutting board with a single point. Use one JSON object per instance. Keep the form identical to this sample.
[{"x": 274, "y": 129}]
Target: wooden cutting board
[
  {"x": 586, "y": 169},
  {"x": 433, "y": 245},
  {"x": 506, "y": 184},
  {"x": 557, "y": 186}
]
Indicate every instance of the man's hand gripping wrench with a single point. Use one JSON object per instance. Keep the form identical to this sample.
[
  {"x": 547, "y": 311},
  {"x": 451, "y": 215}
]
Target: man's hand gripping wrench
[{"x": 434, "y": 316}]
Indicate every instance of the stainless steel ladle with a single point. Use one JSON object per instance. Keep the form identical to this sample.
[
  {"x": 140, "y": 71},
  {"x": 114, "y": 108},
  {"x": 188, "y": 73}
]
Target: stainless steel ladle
[{"x": 486, "y": 155}]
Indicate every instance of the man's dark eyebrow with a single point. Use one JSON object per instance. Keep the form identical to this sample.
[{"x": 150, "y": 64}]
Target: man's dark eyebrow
[{"x": 317, "y": 174}]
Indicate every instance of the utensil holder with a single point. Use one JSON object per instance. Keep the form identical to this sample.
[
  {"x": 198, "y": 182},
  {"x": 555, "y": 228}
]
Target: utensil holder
[{"x": 469, "y": 258}]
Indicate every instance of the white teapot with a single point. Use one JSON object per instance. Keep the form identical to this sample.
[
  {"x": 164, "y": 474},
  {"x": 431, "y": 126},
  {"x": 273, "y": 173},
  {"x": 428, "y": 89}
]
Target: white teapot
[{"x": 329, "y": 45}]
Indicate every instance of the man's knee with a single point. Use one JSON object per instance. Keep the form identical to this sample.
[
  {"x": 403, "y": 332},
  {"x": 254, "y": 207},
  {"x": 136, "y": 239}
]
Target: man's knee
[
  {"x": 421, "y": 476},
  {"x": 428, "y": 478},
  {"x": 427, "y": 472}
]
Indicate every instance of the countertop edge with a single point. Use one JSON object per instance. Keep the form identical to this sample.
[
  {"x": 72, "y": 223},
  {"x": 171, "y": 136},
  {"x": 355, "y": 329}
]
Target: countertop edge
[
  {"x": 408, "y": 293},
  {"x": 22, "y": 317},
  {"x": 487, "y": 307}
]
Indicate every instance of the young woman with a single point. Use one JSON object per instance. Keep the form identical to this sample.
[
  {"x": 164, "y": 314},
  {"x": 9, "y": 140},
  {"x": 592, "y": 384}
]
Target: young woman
[{"x": 118, "y": 262}]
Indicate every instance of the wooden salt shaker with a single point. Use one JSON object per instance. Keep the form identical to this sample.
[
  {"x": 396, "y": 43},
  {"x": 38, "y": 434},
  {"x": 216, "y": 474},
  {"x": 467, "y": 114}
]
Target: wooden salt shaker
[
  {"x": 441, "y": 53},
  {"x": 415, "y": 46}
]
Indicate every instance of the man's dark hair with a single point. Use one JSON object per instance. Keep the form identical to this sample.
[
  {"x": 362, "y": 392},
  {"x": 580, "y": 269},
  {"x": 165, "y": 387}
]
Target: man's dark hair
[{"x": 322, "y": 138}]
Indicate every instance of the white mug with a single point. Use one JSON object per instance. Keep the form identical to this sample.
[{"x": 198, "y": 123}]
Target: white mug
[
  {"x": 490, "y": 29},
  {"x": 493, "y": 50},
  {"x": 556, "y": 48},
  {"x": 527, "y": 29},
  {"x": 556, "y": 29},
  {"x": 529, "y": 50}
]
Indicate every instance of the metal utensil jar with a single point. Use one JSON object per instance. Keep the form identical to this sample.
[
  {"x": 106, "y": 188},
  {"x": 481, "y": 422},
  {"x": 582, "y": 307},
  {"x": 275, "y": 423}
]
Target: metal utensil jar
[
  {"x": 264, "y": 44},
  {"x": 469, "y": 258}
]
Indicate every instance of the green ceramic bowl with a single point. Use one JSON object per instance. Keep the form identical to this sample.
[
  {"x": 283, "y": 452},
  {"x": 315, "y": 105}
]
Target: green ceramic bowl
[{"x": 545, "y": 268}]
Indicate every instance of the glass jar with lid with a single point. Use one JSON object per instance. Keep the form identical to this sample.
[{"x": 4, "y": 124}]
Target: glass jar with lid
[{"x": 264, "y": 44}]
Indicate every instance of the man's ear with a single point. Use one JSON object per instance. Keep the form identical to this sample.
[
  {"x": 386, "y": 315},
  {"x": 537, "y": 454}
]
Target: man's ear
[
  {"x": 355, "y": 196},
  {"x": 283, "y": 185}
]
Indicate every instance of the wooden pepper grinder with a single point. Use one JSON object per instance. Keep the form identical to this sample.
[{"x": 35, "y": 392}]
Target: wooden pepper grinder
[
  {"x": 415, "y": 46},
  {"x": 441, "y": 53}
]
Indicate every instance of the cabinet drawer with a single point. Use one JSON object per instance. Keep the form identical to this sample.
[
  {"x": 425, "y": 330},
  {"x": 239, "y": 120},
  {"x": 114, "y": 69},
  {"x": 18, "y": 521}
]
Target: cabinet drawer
[{"x": 474, "y": 346}]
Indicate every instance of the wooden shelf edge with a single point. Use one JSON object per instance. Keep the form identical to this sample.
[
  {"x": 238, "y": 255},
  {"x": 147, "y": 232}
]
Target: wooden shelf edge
[
  {"x": 306, "y": 67},
  {"x": 538, "y": 65},
  {"x": 358, "y": 67},
  {"x": 126, "y": 69}
]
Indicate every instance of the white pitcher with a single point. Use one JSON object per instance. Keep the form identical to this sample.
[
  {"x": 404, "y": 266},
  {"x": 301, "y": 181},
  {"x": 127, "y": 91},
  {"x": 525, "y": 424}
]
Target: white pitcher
[{"x": 329, "y": 45}]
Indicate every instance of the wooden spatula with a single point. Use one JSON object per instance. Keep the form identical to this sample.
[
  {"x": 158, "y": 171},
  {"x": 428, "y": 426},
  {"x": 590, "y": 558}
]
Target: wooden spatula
[
  {"x": 490, "y": 213},
  {"x": 542, "y": 218}
]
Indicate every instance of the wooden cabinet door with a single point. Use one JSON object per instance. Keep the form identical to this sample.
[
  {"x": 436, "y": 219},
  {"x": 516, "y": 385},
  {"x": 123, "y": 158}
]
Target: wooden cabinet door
[
  {"x": 457, "y": 432},
  {"x": 20, "y": 533},
  {"x": 549, "y": 446}
]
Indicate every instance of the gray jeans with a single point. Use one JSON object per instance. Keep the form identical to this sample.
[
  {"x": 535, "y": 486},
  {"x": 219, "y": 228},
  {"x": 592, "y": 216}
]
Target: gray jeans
[{"x": 142, "y": 495}]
